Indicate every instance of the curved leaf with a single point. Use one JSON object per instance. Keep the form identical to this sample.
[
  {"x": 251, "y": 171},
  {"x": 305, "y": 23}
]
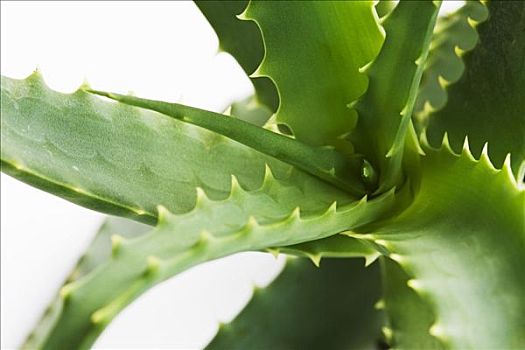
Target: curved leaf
[
  {"x": 409, "y": 315},
  {"x": 309, "y": 308},
  {"x": 98, "y": 252},
  {"x": 487, "y": 103},
  {"x": 386, "y": 108},
  {"x": 313, "y": 52},
  {"x": 243, "y": 41},
  {"x": 453, "y": 35},
  {"x": 126, "y": 161},
  {"x": 463, "y": 247},
  {"x": 243, "y": 222},
  {"x": 325, "y": 163}
]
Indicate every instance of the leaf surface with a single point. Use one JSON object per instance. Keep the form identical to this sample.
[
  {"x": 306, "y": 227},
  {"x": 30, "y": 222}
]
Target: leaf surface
[
  {"x": 487, "y": 103},
  {"x": 385, "y": 109},
  {"x": 454, "y": 35},
  {"x": 313, "y": 52},
  {"x": 98, "y": 253},
  {"x": 213, "y": 229},
  {"x": 241, "y": 39},
  {"x": 126, "y": 161},
  {"x": 462, "y": 247},
  {"x": 331, "y": 307}
]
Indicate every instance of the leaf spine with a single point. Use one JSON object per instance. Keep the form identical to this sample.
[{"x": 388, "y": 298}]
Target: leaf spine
[
  {"x": 445, "y": 143},
  {"x": 459, "y": 51},
  {"x": 315, "y": 259},
  {"x": 66, "y": 291},
  {"x": 204, "y": 238},
  {"x": 116, "y": 244},
  {"x": 251, "y": 224},
  {"x": 443, "y": 83},
  {"x": 371, "y": 258},
  {"x": 466, "y": 150},
  {"x": 436, "y": 330},
  {"x": 415, "y": 285},
  {"x": 388, "y": 333},
  {"x": 152, "y": 265},
  {"x": 163, "y": 216},
  {"x": 380, "y": 304},
  {"x": 235, "y": 189},
  {"x": 332, "y": 209},
  {"x": 274, "y": 251},
  {"x": 268, "y": 177},
  {"x": 201, "y": 198},
  {"x": 295, "y": 215}
]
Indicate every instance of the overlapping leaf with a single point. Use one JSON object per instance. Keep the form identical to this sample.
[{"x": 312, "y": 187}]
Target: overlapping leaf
[
  {"x": 123, "y": 160},
  {"x": 454, "y": 34},
  {"x": 487, "y": 103},
  {"x": 313, "y": 52},
  {"x": 462, "y": 247},
  {"x": 386, "y": 108},
  {"x": 331, "y": 307},
  {"x": 243, "y": 41},
  {"x": 213, "y": 229}
]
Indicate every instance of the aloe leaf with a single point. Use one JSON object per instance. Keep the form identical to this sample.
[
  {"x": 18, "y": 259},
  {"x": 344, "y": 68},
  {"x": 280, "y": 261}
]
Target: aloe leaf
[
  {"x": 331, "y": 307},
  {"x": 386, "y": 108},
  {"x": 246, "y": 221},
  {"x": 453, "y": 35},
  {"x": 384, "y": 7},
  {"x": 243, "y": 41},
  {"x": 325, "y": 163},
  {"x": 338, "y": 246},
  {"x": 459, "y": 257},
  {"x": 409, "y": 316},
  {"x": 487, "y": 103},
  {"x": 98, "y": 252},
  {"x": 125, "y": 161},
  {"x": 313, "y": 52}
]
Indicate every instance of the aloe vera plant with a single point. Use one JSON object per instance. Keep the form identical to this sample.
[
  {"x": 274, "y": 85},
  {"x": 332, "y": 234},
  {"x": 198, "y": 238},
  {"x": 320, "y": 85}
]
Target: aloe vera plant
[{"x": 377, "y": 131}]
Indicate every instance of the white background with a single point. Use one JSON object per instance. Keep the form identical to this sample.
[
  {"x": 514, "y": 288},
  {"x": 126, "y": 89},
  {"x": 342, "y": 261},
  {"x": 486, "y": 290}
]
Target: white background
[{"x": 162, "y": 50}]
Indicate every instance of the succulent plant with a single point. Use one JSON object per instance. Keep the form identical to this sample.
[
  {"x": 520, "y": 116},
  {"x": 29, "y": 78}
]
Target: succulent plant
[{"x": 377, "y": 131}]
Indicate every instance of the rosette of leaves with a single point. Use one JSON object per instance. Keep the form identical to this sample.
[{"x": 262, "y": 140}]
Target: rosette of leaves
[{"x": 378, "y": 133}]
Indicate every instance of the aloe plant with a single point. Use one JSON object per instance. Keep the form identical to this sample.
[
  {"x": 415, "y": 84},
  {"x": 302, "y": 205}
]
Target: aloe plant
[{"x": 377, "y": 131}]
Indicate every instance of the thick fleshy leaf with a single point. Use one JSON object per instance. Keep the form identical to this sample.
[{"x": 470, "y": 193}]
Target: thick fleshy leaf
[
  {"x": 463, "y": 247},
  {"x": 409, "y": 316},
  {"x": 325, "y": 163},
  {"x": 331, "y": 307},
  {"x": 243, "y": 41},
  {"x": 386, "y": 108},
  {"x": 245, "y": 221},
  {"x": 454, "y": 34},
  {"x": 124, "y": 160},
  {"x": 384, "y": 7},
  {"x": 98, "y": 253},
  {"x": 313, "y": 52},
  {"x": 338, "y": 246},
  {"x": 487, "y": 103}
]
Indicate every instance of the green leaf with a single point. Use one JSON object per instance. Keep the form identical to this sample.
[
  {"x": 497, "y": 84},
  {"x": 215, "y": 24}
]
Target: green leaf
[
  {"x": 453, "y": 35},
  {"x": 246, "y": 221},
  {"x": 126, "y": 161},
  {"x": 325, "y": 163},
  {"x": 338, "y": 246},
  {"x": 464, "y": 249},
  {"x": 386, "y": 108},
  {"x": 313, "y": 52},
  {"x": 487, "y": 103},
  {"x": 409, "y": 315},
  {"x": 98, "y": 253},
  {"x": 309, "y": 308},
  {"x": 243, "y": 41}
]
